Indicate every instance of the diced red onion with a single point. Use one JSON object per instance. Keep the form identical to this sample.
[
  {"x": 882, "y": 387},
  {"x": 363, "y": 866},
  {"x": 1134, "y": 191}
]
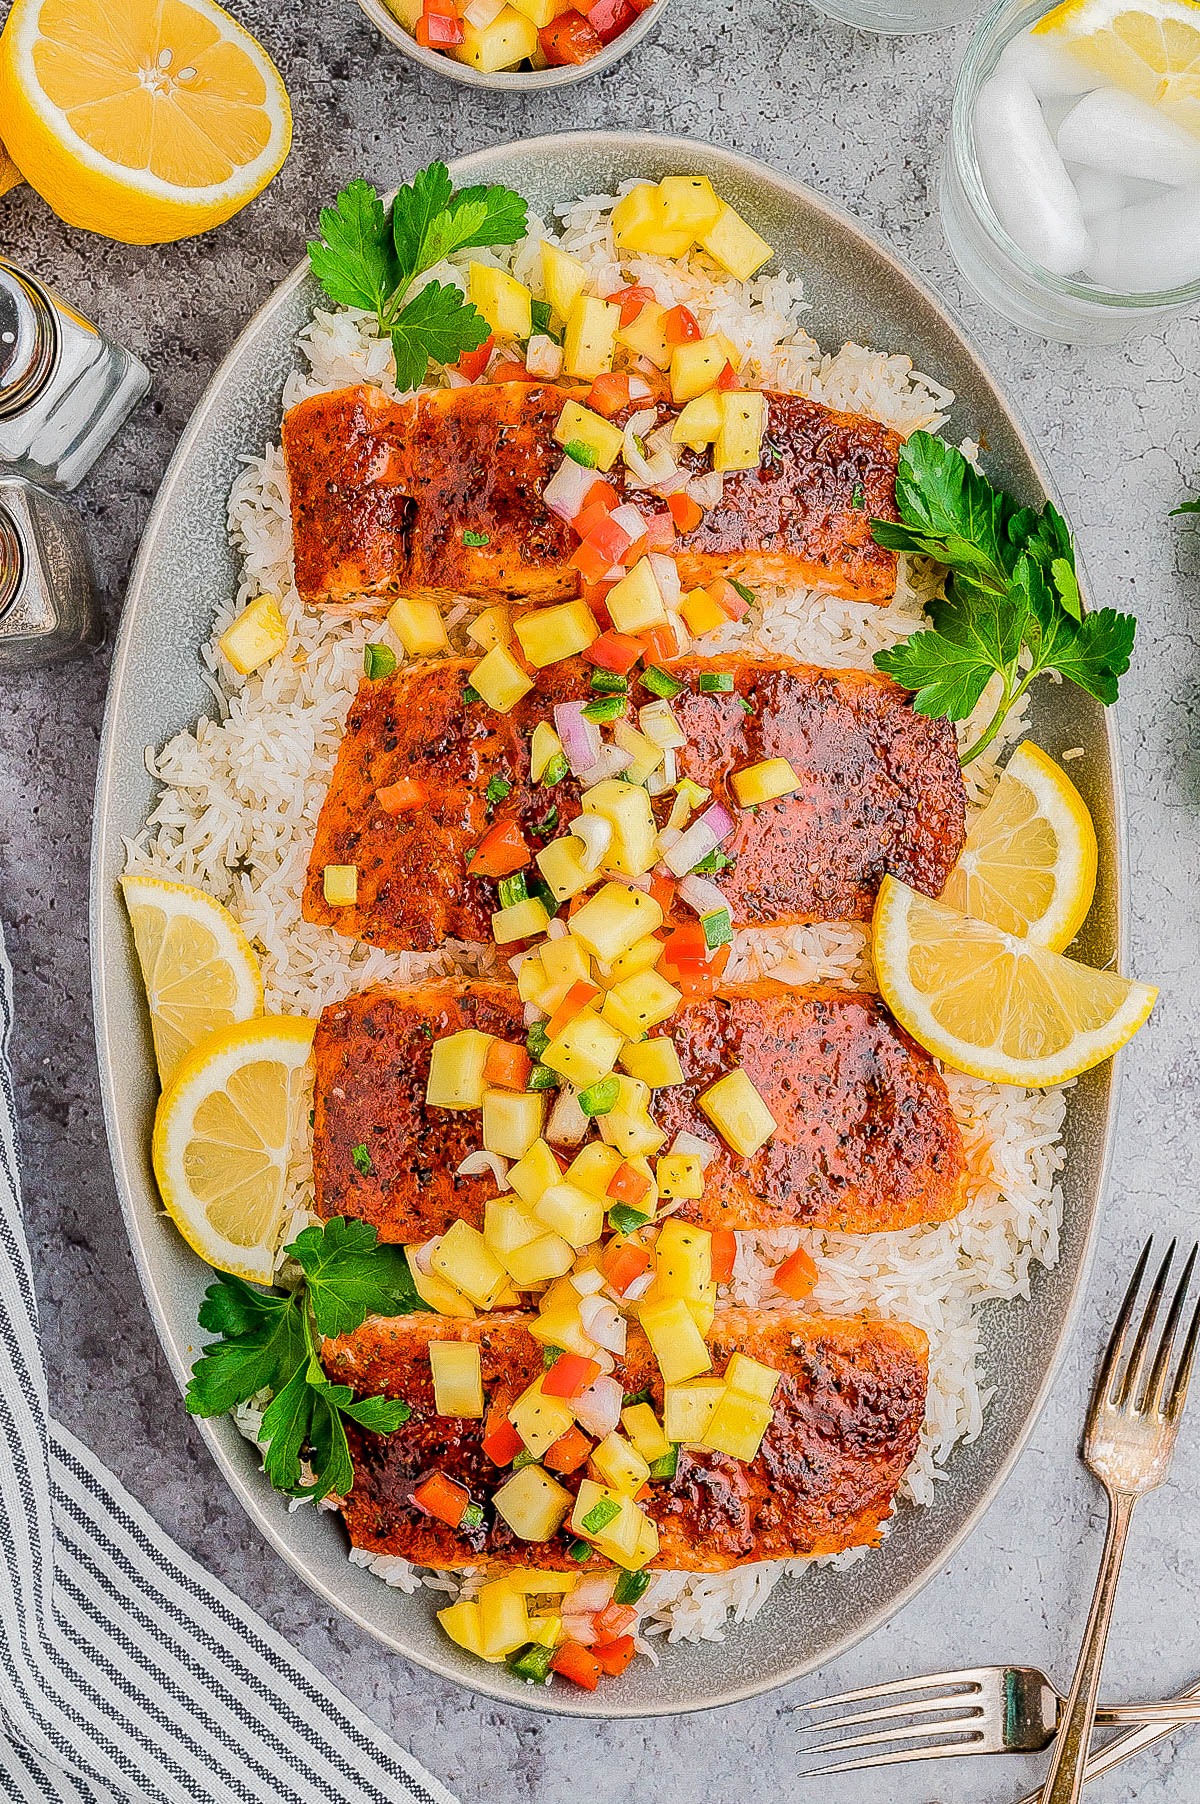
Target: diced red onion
[
  {"x": 533, "y": 1013},
  {"x": 456, "y": 379},
  {"x": 707, "y": 489},
  {"x": 592, "y": 1593},
  {"x": 604, "y": 1322},
  {"x": 631, "y": 520},
  {"x": 580, "y": 738},
  {"x": 598, "y": 1408},
  {"x": 579, "y": 1628},
  {"x": 691, "y": 848},
  {"x": 662, "y": 779},
  {"x": 657, "y": 721},
  {"x": 595, "y": 833},
  {"x": 543, "y": 357},
  {"x": 481, "y": 13},
  {"x": 568, "y": 1124},
  {"x": 666, "y": 575},
  {"x": 718, "y": 817},
  {"x": 704, "y": 1150},
  {"x": 639, "y": 389},
  {"x": 635, "y": 1291},
  {"x": 475, "y": 1164},
  {"x": 566, "y": 490},
  {"x": 641, "y": 881},
  {"x": 421, "y": 1255},
  {"x": 702, "y": 895},
  {"x": 587, "y": 1282}
]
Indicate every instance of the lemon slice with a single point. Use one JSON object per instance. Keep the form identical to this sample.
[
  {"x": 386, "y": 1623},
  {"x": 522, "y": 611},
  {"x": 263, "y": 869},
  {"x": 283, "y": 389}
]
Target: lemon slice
[
  {"x": 1029, "y": 864},
  {"x": 1150, "y": 48},
  {"x": 143, "y": 120},
  {"x": 222, "y": 1138},
  {"x": 994, "y": 1005},
  {"x": 199, "y": 971}
]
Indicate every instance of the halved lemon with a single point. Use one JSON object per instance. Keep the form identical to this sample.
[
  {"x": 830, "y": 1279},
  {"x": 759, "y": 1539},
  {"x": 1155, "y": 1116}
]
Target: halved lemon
[
  {"x": 143, "y": 120},
  {"x": 1150, "y": 48},
  {"x": 1029, "y": 863},
  {"x": 197, "y": 965},
  {"x": 994, "y": 1005},
  {"x": 222, "y": 1140},
  {"x": 10, "y": 175}
]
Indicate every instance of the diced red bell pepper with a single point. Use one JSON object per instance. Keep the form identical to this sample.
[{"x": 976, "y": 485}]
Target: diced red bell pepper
[
  {"x": 609, "y": 18},
  {"x": 501, "y": 1442},
  {"x": 590, "y": 518},
  {"x": 733, "y": 605},
  {"x": 613, "y": 651},
  {"x": 614, "y": 1656},
  {"x": 509, "y": 371},
  {"x": 623, "y": 1261},
  {"x": 601, "y": 494},
  {"x": 611, "y": 1623},
  {"x": 500, "y": 852},
  {"x": 596, "y": 596},
  {"x": 661, "y": 643},
  {"x": 687, "y": 945},
  {"x": 686, "y": 513},
  {"x": 576, "y": 999},
  {"x": 569, "y": 39},
  {"x": 681, "y": 327},
  {"x": 797, "y": 1275},
  {"x": 591, "y": 562},
  {"x": 610, "y": 539},
  {"x": 724, "y": 1252},
  {"x": 506, "y": 1065},
  {"x": 628, "y": 1185},
  {"x": 609, "y": 393},
  {"x": 662, "y": 891},
  {"x": 473, "y": 363},
  {"x": 440, "y": 1497},
  {"x": 570, "y": 1374},
  {"x": 576, "y": 1662},
  {"x": 438, "y": 31},
  {"x": 568, "y": 1452},
  {"x": 660, "y": 532},
  {"x": 629, "y": 300},
  {"x": 727, "y": 379},
  {"x": 404, "y": 793},
  {"x": 696, "y": 978}
]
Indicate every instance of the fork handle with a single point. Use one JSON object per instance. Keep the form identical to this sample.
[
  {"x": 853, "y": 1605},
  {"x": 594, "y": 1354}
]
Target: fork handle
[{"x": 1065, "y": 1780}]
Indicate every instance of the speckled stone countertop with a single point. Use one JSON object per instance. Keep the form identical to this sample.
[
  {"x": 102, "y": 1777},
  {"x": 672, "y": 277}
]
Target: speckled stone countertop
[{"x": 862, "y": 119}]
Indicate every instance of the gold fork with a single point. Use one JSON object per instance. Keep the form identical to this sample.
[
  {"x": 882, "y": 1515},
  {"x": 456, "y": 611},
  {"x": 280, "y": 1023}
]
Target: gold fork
[{"x": 1128, "y": 1443}]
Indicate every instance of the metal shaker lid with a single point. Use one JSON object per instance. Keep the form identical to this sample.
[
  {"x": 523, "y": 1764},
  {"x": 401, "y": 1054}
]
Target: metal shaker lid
[{"x": 28, "y": 340}]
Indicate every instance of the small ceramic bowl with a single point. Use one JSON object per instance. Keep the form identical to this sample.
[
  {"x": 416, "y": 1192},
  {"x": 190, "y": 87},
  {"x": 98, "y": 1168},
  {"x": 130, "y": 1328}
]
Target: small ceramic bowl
[{"x": 512, "y": 80}]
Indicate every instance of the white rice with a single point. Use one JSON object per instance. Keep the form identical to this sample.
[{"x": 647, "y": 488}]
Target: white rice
[{"x": 241, "y": 794}]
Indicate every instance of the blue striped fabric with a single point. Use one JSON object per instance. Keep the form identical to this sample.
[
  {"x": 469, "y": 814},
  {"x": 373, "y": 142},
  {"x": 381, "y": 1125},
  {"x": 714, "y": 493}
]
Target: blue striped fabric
[{"x": 126, "y": 1671}]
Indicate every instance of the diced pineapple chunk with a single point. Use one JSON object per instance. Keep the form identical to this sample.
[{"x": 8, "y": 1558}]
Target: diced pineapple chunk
[
  {"x": 541, "y": 12},
  {"x": 675, "y": 1340},
  {"x": 737, "y": 1425},
  {"x": 647, "y": 757},
  {"x": 614, "y": 1519},
  {"x": 492, "y": 627},
  {"x": 538, "y": 1419},
  {"x": 558, "y": 1322},
  {"x": 681, "y": 1175},
  {"x": 627, "y": 809},
  {"x": 620, "y": 1465},
  {"x": 540, "y": 1260},
  {"x": 339, "y": 885},
  {"x": 507, "y": 41},
  {"x": 700, "y": 421},
  {"x": 508, "y": 1225},
  {"x": 499, "y": 680},
  {"x": 586, "y": 1049},
  {"x": 645, "y": 1550},
  {"x": 464, "y": 1259},
  {"x": 738, "y": 1112},
  {"x": 702, "y": 614},
  {"x": 594, "y": 1167},
  {"x": 505, "y": 303},
  {"x": 536, "y": 1581},
  {"x": 520, "y": 921},
  {"x": 628, "y": 1125},
  {"x": 543, "y": 746},
  {"x": 419, "y": 627},
  {"x": 535, "y": 1172},
  {"x": 654, "y": 1062},
  {"x": 503, "y": 1620},
  {"x": 738, "y": 445},
  {"x": 682, "y": 1260},
  {"x": 565, "y": 961},
  {"x": 689, "y": 204},
  {"x": 639, "y": 224},
  {"x": 564, "y": 278},
  {"x": 612, "y": 920},
  {"x": 512, "y": 1121},
  {"x": 531, "y": 978},
  {"x": 733, "y": 244},
  {"x": 640, "y": 1002},
  {"x": 571, "y": 1212},
  {"x": 440, "y": 1296},
  {"x": 696, "y": 366},
  {"x": 646, "y": 335},
  {"x": 256, "y": 636},
  {"x": 702, "y": 1309},
  {"x": 764, "y": 782},
  {"x": 532, "y": 1503},
  {"x": 548, "y": 635},
  {"x": 636, "y": 602},
  {"x": 688, "y": 1408},
  {"x": 589, "y": 337},
  {"x": 456, "y": 1064},
  {"x": 559, "y": 864},
  {"x": 641, "y": 956},
  {"x": 461, "y": 1623},
  {"x": 750, "y": 1378},
  {"x": 457, "y": 1378},
  {"x": 579, "y": 425},
  {"x": 642, "y": 1426}
]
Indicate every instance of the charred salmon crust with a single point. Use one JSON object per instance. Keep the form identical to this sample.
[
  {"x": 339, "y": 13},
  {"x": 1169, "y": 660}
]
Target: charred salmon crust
[
  {"x": 866, "y": 1139},
  {"x": 880, "y": 791},
  {"x": 384, "y": 492},
  {"x": 847, "y": 1414}
]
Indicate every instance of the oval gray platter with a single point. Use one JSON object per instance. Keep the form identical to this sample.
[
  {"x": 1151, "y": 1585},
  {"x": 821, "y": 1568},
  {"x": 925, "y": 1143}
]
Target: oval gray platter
[{"x": 859, "y": 291}]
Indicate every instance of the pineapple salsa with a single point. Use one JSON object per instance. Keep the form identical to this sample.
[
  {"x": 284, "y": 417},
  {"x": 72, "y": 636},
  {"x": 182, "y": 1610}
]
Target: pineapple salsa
[
  {"x": 584, "y": 1218},
  {"x": 490, "y": 35}
]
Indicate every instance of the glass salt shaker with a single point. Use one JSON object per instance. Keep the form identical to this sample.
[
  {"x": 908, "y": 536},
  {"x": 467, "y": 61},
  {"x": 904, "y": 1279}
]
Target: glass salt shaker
[
  {"x": 64, "y": 387},
  {"x": 47, "y": 605}
]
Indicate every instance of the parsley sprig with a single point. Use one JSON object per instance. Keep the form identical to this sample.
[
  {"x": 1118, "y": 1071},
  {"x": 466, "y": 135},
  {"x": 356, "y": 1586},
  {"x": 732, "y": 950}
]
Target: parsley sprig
[
  {"x": 270, "y": 1340},
  {"x": 370, "y": 255},
  {"x": 1012, "y": 599}
]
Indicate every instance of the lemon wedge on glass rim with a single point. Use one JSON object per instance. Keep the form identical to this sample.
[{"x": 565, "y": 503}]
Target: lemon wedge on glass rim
[
  {"x": 1029, "y": 862},
  {"x": 142, "y": 120},
  {"x": 1150, "y": 48},
  {"x": 991, "y": 1004},
  {"x": 223, "y": 1135}
]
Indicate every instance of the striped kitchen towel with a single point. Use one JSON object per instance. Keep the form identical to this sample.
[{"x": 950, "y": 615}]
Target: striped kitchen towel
[{"x": 126, "y": 1671}]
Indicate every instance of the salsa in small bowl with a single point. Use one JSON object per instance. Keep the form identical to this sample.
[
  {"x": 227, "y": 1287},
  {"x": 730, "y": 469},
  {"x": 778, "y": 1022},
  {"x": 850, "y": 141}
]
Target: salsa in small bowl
[{"x": 515, "y": 44}]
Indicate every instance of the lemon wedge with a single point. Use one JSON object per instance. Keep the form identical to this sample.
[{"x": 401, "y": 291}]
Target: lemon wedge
[
  {"x": 994, "y": 1005},
  {"x": 222, "y": 1139},
  {"x": 146, "y": 120},
  {"x": 1029, "y": 863},
  {"x": 199, "y": 971},
  {"x": 1150, "y": 48}
]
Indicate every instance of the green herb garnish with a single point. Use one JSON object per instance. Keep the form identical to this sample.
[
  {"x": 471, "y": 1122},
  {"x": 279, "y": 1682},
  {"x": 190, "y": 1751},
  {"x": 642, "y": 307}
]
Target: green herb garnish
[
  {"x": 472, "y": 1516},
  {"x": 600, "y": 1515},
  {"x": 747, "y": 595},
  {"x": 556, "y": 769},
  {"x": 625, "y": 1219},
  {"x": 544, "y": 828},
  {"x": 361, "y": 1160},
  {"x": 551, "y": 1356},
  {"x": 716, "y": 682},
  {"x": 744, "y": 705},
  {"x": 378, "y": 661},
  {"x": 858, "y": 496},
  {"x": 714, "y": 864},
  {"x": 269, "y": 1341},
  {"x": 524, "y": 1458},
  {"x": 470, "y": 694},
  {"x": 539, "y": 317},
  {"x": 369, "y": 256},
  {"x": 476, "y": 539},
  {"x": 1012, "y": 605},
  {"x": 1187, "y": 507},
  {"x": 632, "y": 1397},
  {"x": 497, "y": 789},
  {"x": 537, "y": 1040}
]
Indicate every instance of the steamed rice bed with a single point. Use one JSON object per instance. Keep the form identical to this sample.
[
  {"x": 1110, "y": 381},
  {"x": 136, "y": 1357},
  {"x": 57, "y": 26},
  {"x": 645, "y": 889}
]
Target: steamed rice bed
[{"x": 241, "y": 795}]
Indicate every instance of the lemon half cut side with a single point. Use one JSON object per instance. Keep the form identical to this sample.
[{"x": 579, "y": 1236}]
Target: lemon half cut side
[{"x": 1150, "y": 48}]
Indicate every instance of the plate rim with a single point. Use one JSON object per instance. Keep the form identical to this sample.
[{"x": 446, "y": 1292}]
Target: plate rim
[{"x": 102, "y": 906}]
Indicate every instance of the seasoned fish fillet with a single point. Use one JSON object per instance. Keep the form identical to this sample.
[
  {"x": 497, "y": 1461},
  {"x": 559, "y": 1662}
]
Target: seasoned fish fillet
[
  {"x": 848, "y": 1411},
  {"x": 866, "y": 1139},
  {"x": 881, "y": 790},
  {"x": 385, "y": 492}
]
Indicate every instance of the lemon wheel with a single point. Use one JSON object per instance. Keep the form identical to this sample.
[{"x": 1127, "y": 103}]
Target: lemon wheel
[
  {"x": 223, "y": 1135},
  {"x": 145, "y": 121},
  {"x": 1029, "y": 862},
  {"x": 991, "y": 1004},
  {"x": 1150, "y": 48}
]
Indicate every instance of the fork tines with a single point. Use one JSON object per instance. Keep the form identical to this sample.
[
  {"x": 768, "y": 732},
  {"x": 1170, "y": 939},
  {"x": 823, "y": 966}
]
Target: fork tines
[
  {"x": 956, "y": 1734},
  {"x": 1120, "y": 1383}
]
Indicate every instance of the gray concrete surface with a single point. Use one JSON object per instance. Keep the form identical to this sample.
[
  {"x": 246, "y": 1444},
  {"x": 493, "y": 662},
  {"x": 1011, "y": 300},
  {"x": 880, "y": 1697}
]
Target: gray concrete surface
[{"x": 862, "y": 119}]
